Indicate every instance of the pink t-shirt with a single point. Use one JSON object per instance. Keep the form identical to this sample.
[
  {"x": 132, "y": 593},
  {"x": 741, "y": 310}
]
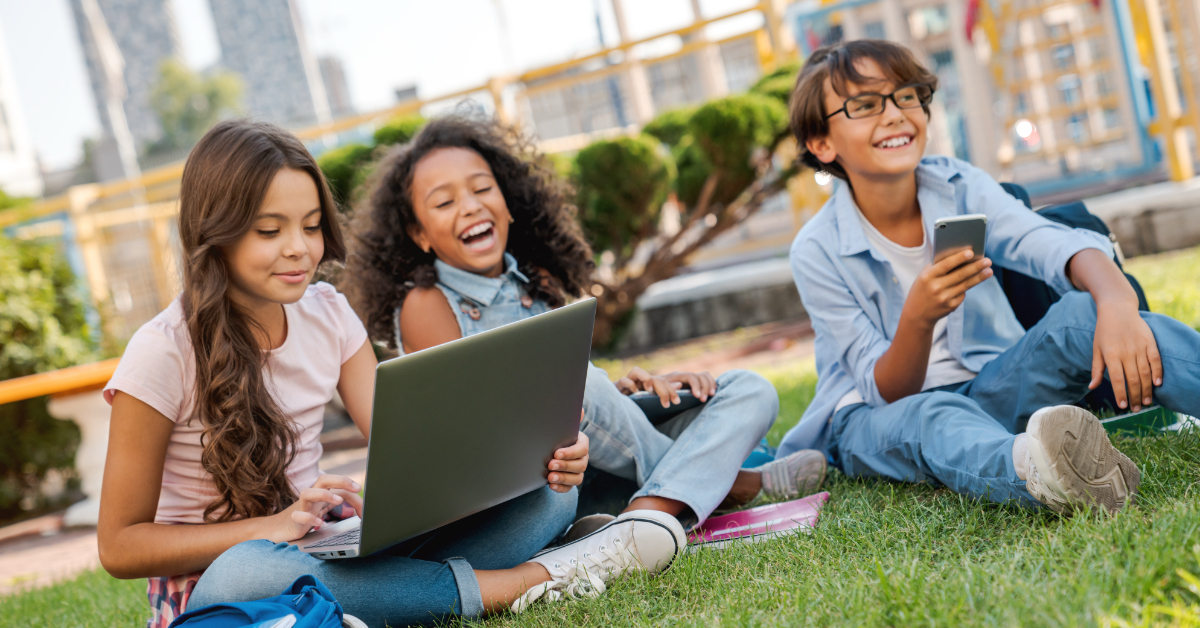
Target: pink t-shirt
[{"x": 159, "y": 369}]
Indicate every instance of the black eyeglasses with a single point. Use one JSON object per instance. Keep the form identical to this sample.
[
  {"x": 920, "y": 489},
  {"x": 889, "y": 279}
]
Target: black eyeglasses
[{"x": 867, "y": 105}]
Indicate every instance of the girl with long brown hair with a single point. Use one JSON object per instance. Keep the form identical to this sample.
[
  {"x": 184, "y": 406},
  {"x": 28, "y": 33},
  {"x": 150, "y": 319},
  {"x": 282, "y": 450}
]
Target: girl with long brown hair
[{"x": 217, "y": 407}]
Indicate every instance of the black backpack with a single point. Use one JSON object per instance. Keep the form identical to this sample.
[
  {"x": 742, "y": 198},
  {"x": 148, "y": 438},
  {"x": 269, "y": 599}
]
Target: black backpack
[{"x": 1031, "y": 298}]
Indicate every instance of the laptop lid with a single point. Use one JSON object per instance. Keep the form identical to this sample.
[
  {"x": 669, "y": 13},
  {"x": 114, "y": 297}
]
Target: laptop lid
[{"x": 472, "y": 423}]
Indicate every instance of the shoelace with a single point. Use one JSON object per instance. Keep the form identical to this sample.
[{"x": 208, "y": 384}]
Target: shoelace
[{"x": 581, "y": 580}]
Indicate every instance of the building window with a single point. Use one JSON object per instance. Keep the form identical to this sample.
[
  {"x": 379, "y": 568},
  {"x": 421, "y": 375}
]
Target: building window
[
  {"x": 1063, "y": 56},
  {"x": 1069, "y": 89},
  {"x": 1020, "y": 104},
  {"x": 1112, "y": 118},
  {"x": 928, "y": 21},
  {"x": 1077, "y": 127},
  {"x": 874, "y": 30},
  {"x": 1103, "y": 84}
]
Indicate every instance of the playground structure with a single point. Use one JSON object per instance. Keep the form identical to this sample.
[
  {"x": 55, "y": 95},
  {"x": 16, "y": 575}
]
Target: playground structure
[
  {"x": 1058, "y": 95},
  {"x": 1029, "y": 92}
]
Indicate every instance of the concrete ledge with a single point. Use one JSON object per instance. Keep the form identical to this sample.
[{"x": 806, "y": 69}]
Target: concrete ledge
[{"x": 711, "y": 302}]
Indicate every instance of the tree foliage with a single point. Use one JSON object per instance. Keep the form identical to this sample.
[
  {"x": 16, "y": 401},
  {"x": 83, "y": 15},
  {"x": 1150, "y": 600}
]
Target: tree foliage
[
  {"x": 42, "y": 328},
  {"x": 188, "y": 103},
  {"x": 347, "y": 167},
  {"x": 723, "y": 173},
  {"x": 622, "y": 184}
]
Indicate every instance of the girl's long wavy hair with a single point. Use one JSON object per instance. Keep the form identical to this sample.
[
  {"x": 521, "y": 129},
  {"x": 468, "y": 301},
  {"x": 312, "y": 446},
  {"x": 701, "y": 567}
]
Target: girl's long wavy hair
[
  {"x": 248, "y": 442},
  {"x": 385, "y": 264}
]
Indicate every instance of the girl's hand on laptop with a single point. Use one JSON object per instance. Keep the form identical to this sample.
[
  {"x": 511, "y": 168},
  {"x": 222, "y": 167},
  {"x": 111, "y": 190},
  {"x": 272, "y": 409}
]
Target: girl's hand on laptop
[
  {"x": 568, "y": 465},
  {"x": 943, "y": 285},
  {"x": 307, "y": 513},
  {"x": 638, "y": 380}
]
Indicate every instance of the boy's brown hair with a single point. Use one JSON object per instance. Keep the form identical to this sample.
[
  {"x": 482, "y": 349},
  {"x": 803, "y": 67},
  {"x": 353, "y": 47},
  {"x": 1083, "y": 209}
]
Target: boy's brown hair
[{"x": 837, "y": 63}]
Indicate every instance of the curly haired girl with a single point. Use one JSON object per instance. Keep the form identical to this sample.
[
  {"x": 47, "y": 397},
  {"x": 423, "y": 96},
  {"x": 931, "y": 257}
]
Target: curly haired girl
[
  {"x": 217, "y": 407},
  {"x": 466, "y": 229}
]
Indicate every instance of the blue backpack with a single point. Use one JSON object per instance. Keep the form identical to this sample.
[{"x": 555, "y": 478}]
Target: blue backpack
[{"x": 307, "y": 600}]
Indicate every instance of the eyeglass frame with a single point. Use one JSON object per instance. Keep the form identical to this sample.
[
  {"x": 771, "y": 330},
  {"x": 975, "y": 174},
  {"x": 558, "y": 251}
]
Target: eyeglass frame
[{"x": 886, "y": 97}]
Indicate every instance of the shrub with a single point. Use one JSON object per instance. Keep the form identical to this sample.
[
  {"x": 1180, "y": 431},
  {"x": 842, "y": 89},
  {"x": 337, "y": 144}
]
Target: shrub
[
  {"x": 399, "y": 130},
  {"x": 779, "y": 83},
  {"x": 729, "y": 130},
  {"x": 340, "y": 166},
  {"x": 621, "y": 185},
  {"x": 670, "y": 126},
  {"x": 42, "y": 327}
]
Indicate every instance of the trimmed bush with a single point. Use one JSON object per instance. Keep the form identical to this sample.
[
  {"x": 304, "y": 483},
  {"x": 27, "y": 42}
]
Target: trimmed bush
[
  {"x": 42, "y": 328},
  {"x": 729, "y": 130},
  {"x": 670, "y": 126},
  {"x": 621, "y": 185},
  {"x": 399, "y": 130},
  {"x": 340, "y": 166}
]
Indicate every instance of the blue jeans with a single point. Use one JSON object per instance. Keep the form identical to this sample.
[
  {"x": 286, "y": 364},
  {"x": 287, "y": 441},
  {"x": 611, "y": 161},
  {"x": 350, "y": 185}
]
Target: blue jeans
[
  {"x": 425, "y": 579},
  {"x": 692, "y": 458},
  {"x": 963, "y": 438}
]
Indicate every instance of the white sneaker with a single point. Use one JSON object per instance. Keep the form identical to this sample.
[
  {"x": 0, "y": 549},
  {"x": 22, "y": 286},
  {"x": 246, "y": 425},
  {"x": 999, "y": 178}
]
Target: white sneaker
[
  {"x": 640, "y": 539},
  {"x": 350, "y": 621},
  {"x": 1072, "y": 464}
]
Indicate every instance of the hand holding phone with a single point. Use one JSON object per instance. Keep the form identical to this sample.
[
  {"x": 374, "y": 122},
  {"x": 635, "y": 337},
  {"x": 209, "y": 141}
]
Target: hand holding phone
[{"x": 958, "y": 266}]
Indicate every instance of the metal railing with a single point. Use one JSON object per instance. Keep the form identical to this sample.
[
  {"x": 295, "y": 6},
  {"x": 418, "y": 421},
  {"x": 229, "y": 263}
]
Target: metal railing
[{"x": 123, "y": 238}]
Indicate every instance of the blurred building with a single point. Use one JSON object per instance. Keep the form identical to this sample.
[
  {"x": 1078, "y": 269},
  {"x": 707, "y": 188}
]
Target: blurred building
[
  {"x": 1042, "y": 93},
  {"x": 19, "y": 171},
  {"x": 333, "y": 75},
  {"x": 145, "y": 33},
  {"x": 263, "y": 41}
]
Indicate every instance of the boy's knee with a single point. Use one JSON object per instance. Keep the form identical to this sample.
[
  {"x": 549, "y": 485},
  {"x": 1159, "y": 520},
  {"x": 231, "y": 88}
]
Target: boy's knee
[{"x": 1073, "y": 309}]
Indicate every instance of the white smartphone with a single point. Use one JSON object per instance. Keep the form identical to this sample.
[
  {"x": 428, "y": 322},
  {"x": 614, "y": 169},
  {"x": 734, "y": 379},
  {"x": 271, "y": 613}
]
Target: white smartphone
[{"x": 956, "y": 233}]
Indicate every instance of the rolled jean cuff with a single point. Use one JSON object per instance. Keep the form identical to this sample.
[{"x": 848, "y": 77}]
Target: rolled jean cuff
[
  {"x": 688, "y": 521},
  {"x": 470, "y": 598}
]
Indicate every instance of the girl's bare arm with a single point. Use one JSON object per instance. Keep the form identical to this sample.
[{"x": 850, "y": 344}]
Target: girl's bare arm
[
  {"x": 133, "y": 546},
  {"x": 356, "y": 385},
  {"x": 426, "y": 320}
]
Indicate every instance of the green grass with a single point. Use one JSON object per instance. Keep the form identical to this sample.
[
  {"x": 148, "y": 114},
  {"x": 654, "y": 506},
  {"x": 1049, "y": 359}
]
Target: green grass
[
  {"x": 1172, "y": 283},
  {"x": 884, "y": 554}
]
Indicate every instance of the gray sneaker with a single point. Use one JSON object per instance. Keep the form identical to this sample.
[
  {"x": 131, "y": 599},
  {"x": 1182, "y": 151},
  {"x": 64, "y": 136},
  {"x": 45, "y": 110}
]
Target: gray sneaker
[
  {"x": 635, "y": 541},
  {"x": 1073, "y": 466},
  {"x": 794, "y": 476}
]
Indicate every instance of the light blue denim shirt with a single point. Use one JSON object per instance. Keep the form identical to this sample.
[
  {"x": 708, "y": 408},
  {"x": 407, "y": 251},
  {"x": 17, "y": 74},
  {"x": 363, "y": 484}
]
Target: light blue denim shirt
[
  {"x": 482, "y": 303},
  {"x": 854, "y": 299}
]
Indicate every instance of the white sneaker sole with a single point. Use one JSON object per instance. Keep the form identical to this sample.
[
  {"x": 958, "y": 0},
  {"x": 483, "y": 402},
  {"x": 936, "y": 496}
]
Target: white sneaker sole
[
  {"x": 650, "y": 517},
  {"x": 1070, "y": 444}
]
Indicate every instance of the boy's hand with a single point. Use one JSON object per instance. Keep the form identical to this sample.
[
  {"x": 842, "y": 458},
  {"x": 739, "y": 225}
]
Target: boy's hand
[
  {"x": 568, "y": 465},
  {"x": 1125, "y": 344},
  {"x": 638, "y": 380},
  {"x": 943, "y": 285}
]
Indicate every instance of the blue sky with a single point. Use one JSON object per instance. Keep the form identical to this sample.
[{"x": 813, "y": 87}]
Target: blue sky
[{"x": 440, "y": 46}]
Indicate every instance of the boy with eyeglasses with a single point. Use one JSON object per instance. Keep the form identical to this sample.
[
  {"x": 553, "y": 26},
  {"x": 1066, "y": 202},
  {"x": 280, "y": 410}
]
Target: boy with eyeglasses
[{"x": 925, "y": 375}]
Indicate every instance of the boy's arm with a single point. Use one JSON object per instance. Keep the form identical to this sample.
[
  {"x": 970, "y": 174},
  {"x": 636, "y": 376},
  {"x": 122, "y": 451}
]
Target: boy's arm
[
  {"x": 938, "y": 290},
  {"x": 1123, "y": 341}
]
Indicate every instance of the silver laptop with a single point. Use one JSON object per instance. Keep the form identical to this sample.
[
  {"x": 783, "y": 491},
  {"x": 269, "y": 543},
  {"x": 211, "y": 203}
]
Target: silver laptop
[{"x": 504, "y": 399}]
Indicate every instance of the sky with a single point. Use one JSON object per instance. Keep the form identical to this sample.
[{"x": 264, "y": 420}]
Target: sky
[{"x": 440, "y": 46}]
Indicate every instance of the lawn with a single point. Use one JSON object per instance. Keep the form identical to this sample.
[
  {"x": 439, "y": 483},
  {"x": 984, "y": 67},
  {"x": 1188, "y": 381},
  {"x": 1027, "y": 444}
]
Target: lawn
[{"x": 884, "y": 553}]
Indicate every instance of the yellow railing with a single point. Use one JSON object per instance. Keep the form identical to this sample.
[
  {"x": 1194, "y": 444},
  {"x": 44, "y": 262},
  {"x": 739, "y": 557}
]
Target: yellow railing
[{"x": 149, "y": 202}]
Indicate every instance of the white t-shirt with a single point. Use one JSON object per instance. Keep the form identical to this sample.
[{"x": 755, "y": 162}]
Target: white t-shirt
[
  {"x": 908, "y": 262},
  {"x": 159, "y": 369}
]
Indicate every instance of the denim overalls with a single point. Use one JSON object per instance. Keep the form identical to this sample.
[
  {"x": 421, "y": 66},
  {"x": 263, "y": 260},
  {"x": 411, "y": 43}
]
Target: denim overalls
[{"x": 693, "y": 458}]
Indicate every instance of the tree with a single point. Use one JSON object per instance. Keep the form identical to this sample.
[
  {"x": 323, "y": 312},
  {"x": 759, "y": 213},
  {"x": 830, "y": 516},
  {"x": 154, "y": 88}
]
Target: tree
[
  {"x": 619, "y": 213},
  {"x": 188, "y": 104},
  {"x": 723, "y": 158},
  {"x": 42, "y": 328},
  {"x": 347, "y": 167}
]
